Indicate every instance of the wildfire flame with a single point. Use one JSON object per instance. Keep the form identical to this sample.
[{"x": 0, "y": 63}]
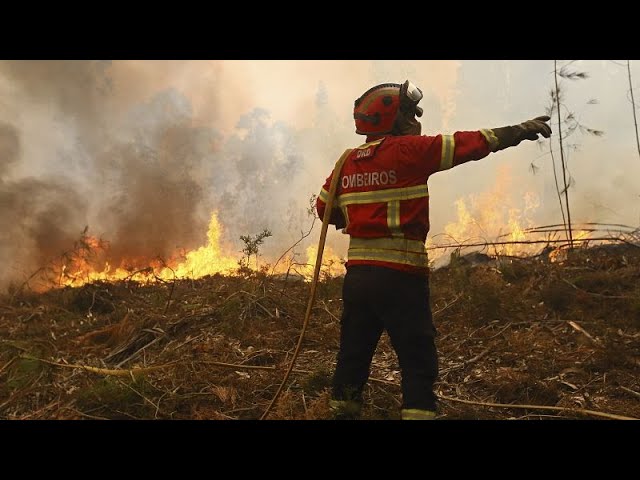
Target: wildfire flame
[
  {"x": 482, "y": 219},
  {"x": 207, "y": 259},
  {"x": 332, "y": 264},
  {"x": 83, "y": 266}
]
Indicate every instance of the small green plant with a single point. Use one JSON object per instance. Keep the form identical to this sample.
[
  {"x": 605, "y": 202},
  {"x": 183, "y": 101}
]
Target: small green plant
[{"x": 252, "y": 247}]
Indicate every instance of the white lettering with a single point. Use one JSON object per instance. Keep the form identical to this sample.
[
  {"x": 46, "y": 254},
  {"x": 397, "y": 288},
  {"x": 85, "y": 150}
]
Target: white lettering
[
  {"x": 369, "y": 178},
  {"x": 363, "y": 153}
]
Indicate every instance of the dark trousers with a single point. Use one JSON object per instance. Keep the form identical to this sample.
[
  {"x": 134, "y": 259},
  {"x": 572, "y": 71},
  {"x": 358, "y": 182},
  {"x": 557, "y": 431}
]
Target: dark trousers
[{"x": 377, "y": 299}]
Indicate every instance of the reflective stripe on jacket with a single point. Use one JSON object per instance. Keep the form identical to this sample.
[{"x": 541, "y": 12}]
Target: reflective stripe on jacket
[{"x": 383, "y": 198}]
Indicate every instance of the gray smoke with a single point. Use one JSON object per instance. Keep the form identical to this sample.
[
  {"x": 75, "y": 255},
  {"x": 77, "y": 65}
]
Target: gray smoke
[
  {"x": 142, "y": 175},
  {"x": 9, "y": 147}
]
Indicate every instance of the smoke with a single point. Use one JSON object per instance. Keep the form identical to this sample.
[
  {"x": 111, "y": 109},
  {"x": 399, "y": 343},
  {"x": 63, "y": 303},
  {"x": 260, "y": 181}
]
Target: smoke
[
  {"x": 9, "y": 147},
  {"x": 76, "y": 155},
  {"x": 132, "y": 150},
  {"x": 38, "y": 219},
  {"x": 142, "y": 152}
]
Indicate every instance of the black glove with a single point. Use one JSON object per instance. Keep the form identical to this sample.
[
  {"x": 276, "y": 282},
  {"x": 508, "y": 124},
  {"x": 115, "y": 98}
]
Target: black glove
[
  {"x": 536, "y": 126},
  {"x": 337, "y": 219},
  {"x": 506, "y": 137}
]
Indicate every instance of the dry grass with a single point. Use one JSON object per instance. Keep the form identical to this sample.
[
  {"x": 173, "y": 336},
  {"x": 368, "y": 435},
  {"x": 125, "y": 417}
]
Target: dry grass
[{"x": 223, "y": 344}]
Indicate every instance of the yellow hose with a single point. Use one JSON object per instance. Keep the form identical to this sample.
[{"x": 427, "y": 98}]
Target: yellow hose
[{"x": 314, "y": 283}]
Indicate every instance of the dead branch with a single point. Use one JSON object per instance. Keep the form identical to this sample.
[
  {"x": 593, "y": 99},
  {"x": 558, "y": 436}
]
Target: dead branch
[
  {"x": 105, "y": 371},
  {"x": 577, "y": 327},
  {"x": 559, "y": 227},
  {"x": 477, "y": 357},
  {"x": 93, "y": 300},
  {"x": 8, "y": 364},
  {"x": 502, "y": 330},
  {"x": 135, "y": 354},
  {"x": 629, "y": 243},
  {"x": 523, "y": 242},
  {"x": 25, "y": 283},
  {"x": 633, "y": 392},
  {"x": 304, "y": 235},
  {"x": 189, "y": 340},
  {"x": 621, "y": 297},
  {"x": 439, "y": 311},
  {"x": 541, "y": 407},
  {"x": 255, "y": 302},
  {"x": 173, "y": 286},
  {"x": 324, "y": 307},
  {"x": 248, "y": 367},
  {"x": 41, "y": 410},
  {"x": 86, "y": 415}
]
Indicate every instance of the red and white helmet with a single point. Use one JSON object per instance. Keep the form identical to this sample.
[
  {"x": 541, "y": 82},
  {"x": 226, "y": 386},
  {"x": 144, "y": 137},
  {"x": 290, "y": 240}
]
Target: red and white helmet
[{"x": 375, "y": 112}]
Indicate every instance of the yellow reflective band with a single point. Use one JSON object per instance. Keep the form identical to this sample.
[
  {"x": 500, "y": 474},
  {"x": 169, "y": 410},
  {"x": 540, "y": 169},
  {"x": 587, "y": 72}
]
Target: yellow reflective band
[
  {"x": 324, "y": 195},
  {"x": 345, "y": 214},
  {"x": 383, "y": 196},
  {"x": 491, "y": 139},
  {"x": 401, "y": 244},
  {"x": 417, "y": 414},
  {"x": 391, "y": 256},
  {"x": 448, "y": 149},
  {"x": 370, "y": 144},
  {"x": 394, "y": 250},
  {"x": 393, "y": 215}
]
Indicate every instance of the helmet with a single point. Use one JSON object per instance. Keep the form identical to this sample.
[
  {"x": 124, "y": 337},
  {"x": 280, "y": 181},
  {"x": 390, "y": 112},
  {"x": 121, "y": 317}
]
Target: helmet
[{"x": 375, "y": 112}]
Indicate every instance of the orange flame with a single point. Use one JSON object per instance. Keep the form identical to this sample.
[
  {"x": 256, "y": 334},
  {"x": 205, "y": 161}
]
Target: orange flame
[
  {"x": 84, "y": 266},
  {"x": 482, "y": 219},
  {"x": 332, "y": 264},
  {"x": 207, "y": 259},
  {"x": 81, "y": 267}
]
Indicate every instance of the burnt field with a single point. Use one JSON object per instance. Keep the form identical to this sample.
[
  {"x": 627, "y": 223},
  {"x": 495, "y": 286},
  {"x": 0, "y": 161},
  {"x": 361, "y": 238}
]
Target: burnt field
[{"x": 519, "y": 338}]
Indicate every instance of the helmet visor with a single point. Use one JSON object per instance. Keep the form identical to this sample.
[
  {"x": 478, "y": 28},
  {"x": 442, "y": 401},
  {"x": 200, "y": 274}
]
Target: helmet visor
[{"x": 412, "y": 92}]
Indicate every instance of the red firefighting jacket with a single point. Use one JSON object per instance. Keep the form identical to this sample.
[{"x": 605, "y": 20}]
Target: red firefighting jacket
[{"x": 382, "y": 199}]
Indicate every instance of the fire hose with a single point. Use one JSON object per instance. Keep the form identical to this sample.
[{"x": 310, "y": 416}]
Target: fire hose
[{"x": 316, "y": 273}]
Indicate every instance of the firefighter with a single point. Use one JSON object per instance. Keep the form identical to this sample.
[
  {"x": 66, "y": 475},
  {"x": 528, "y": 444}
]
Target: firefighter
[{"x": 382, "y": 203}]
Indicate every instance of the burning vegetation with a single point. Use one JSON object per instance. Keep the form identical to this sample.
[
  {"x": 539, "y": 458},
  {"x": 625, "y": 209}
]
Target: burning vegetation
[
  {"x": 532, "y": 337},
  {"x": 528, "y": 328}
]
